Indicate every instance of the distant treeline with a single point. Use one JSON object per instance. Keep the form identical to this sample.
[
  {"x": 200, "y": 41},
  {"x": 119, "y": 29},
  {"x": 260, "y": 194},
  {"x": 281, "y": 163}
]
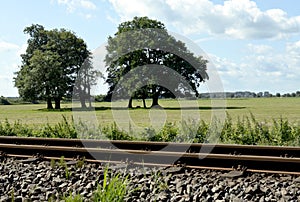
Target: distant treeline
[
  {"x": 238, "y": 94},
  {"x": 247, "y": 94}
]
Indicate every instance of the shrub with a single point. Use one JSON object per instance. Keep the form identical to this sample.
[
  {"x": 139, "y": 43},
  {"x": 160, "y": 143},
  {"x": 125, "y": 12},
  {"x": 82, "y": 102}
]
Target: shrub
[
  {"x": 4, "y": 101},
  {"x": 112, "y": 132},
  {"x": 15, "y": 129},
  {"x": 63, "y": 129},
  {"x": 168, "y": 133}
]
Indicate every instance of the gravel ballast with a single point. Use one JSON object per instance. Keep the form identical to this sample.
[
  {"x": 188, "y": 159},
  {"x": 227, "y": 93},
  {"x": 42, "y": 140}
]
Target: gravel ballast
[{"x": 44, "y": 181}]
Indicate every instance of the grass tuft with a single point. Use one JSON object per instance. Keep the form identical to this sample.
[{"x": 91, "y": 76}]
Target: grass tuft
[{"x": 113, "y": 188}]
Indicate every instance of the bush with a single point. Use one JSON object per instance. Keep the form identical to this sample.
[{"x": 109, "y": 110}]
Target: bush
[
  {"x": 112, "y": 132},
  {"x": 4, "y": 101},
  {"x": 167, "y": 134},
  {"x": 15, "y": 129},
  {"x": 64, "y": 129}
]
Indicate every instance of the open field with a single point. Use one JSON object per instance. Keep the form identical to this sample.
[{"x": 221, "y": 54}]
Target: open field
[{"x": 264, "y": 109}]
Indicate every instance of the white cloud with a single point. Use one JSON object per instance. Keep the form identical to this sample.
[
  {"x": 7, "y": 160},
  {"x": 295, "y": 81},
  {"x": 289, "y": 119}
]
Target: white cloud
[
  {"x": 22, "y": 49},
  {"x": 293, "y": 50},
  {"x": 7, "y": 87},
  {"x": 241, "y": 19},
  {"x": 73, "y": 5},
  {"x": 264, "y": 68},
  {"x": 260, "y": 49},
  {"x": 9, "y": 61},
  {"x": 5, "y": 46}
]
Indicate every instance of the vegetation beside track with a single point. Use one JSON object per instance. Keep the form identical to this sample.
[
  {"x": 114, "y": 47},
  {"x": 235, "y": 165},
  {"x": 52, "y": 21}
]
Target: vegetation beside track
[{"x": 247, "y": 130}]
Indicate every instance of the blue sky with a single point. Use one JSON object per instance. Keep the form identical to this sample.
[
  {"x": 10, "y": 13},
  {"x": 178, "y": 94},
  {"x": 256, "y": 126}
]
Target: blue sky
[{"x": 255, "y": 45}]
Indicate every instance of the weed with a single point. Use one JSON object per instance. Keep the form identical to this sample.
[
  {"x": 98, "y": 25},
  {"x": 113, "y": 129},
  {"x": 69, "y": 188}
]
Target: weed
[
  {"x": 15, "y": 129},
  {"x": 53, "y": 163},
  {"x": 71, "y": 198},
  {"x": 63, "y": 129},
  {"x": 12, "y": 195},
  {"x": 113, "y": 188},
  {"x": 112, "y": 132},
  {"x": 63, "y": 164},
  {"x": 80, "y": 163},
  {"x": 167, "y": 134}
]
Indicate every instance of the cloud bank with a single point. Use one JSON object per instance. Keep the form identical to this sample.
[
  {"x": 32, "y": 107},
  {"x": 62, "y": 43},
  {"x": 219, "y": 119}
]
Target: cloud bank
[{"x": 241, "y": 19}]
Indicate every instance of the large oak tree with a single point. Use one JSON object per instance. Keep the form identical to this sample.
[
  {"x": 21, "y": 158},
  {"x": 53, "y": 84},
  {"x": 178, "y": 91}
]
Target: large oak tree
[
  {"x": 50, "y": 65},
  {"x": 146, "y": 42}
]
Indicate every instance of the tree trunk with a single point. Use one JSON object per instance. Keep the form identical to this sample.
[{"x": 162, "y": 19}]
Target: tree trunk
[
  {"x": 155, "y": 100},
  {"x": 90, "y": 103},
  {"x": 144, "y": 103},
  {"x": 130, "y": 103},
  {"x": 89, "y": 94},
  {"x": 49, "y": 103},
  {"x": 82, "y": 102},
  {"x": 156, "y": 93},
  {"x": 57, "y": 103}
]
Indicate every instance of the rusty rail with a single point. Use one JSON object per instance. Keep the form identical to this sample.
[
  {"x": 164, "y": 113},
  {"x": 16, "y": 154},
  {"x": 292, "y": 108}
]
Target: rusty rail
[{"x": 254, "y": 158}]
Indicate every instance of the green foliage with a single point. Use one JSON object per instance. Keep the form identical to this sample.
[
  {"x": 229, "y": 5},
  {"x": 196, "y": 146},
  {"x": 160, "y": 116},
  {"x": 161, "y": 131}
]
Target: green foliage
[
  {"x": 80, "y": 163},
  {"x": 4, "y": 101},
  {"x": 167, "y": 134},
  {"x": 50, "y": 65},
  {"x": 71, "y": 198},
  {"x": 202, "y": 130},
  {"x": 86, "y": 131},
  {"x": 143, "y": 42},
  {"x": 15, "y": 129},
  {"x": 62, "y": 163},
  {"x": 148, "y": 133},
  {"x": 63, "y": 129},
  {"x": 249, "y": 131},
  {"x": 113, "y": 188},
  {"x": 159, "y": 183},
  {"x": 12, "y": 195},
  {"x": 246, "y": 130},
  {"x": 52, "y": 163},
  {"x": 114, "y": 133},
  {"x": 100, "y": 98}
]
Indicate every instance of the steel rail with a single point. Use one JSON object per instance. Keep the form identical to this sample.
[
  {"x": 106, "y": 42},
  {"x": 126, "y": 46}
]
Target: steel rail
[
  {"x": 223, "y": 160},
  {"x": 157, "y": 146}
]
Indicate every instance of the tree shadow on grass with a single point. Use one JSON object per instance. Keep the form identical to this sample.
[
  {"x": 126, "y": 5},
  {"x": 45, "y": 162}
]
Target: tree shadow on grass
[
  {"x": 137, "y": 108},
  {"x": 201, "y": 108}
]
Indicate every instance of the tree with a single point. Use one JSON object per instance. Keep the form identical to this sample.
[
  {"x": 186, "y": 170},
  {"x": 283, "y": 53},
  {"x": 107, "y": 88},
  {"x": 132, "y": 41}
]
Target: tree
[
  {"x": 86, "y": 77},
  {"x": 50, "y": 65},
  {"x": 146, "y": 42}
]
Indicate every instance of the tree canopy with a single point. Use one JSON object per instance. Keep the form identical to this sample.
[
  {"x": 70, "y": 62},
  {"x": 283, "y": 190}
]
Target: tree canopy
[
  {"x": 144, "y": 42},
  {"x": 50, "y": 65}
]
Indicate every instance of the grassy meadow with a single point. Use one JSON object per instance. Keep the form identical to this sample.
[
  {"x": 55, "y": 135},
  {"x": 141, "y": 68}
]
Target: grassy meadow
[
  {"x": 262, "y": 121},
  {"x": 264, "y": 110}
]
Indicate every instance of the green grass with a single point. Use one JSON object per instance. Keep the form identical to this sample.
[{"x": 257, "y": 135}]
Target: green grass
[
  {"x": 264, "y": 109},
  {"x": 245, "y": 130},
  {"x": 32, "y": 114},
  {"x": 113, "y": 188}
]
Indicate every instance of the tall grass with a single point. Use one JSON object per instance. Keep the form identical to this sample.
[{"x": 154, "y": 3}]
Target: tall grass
[
  {"x": 113, "y": 188},
  {"x": 246, "y": 130}
]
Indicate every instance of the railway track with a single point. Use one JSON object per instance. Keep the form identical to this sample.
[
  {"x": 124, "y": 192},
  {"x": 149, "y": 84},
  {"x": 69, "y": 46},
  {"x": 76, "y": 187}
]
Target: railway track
[{"x": 224, "y": 157}]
